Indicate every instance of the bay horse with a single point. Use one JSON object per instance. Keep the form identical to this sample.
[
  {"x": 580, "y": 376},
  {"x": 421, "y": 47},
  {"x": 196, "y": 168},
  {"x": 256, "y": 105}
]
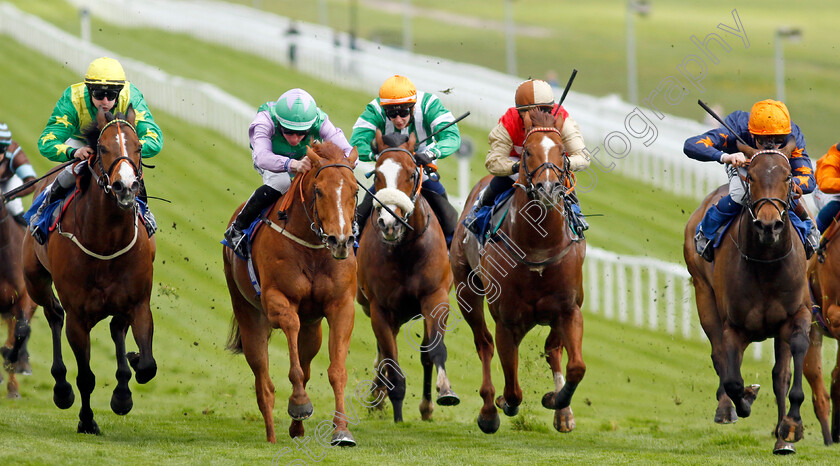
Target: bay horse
[
  {"x": 101, "y": 263},
  {"x": 824, "y": 278},
  {"x": 16, "y": 307},
  {"x": 756, "y": 289},
  {"x": 404, "y": 274},
  {"x": 532, "y": 275},
  {"x": 305, "y": 274}
]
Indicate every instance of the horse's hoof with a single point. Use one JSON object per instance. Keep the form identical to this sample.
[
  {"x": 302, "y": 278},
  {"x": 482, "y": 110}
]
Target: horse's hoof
[
  {"x": 343, "y": 438},
  {"x": 63, "y": 395},
  {"x": 489, "y": 426},
  {"x": 726, "y": 415},
  {"x": 448, "y": 398},
  {"x": 301, "y": 412},
  {"x": 783, "y": 448},
  {"x": 121, "y": 404},
  {"x": 88, "y": 429},
  {"x": 789, "y": 430},
  {"x": 13, "y": 395},
  {"x": 426, "y": 409},
  {"x": 509, "y": 410},
  {"x": 564, "y": 420},
  {"x": 296, "y": 429},
  {"x": 751, "y": 393}
]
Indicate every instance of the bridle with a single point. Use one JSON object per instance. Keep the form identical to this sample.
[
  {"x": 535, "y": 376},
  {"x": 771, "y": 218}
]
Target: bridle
[
  {"x": 563, "y": 173},
  {"x": 104, "y": 181},
  {"x": 416, "y": 178},
  {"x": 782, "y": 206},
  {"x": 315, "y": 223}
]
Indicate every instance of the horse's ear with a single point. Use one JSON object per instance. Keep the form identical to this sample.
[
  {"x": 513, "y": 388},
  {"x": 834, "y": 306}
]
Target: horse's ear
[
  {"x": 789, "y": 147},
  {"x": 526, "y": 120},
  {"x": 101, "y": 119},
  {"x": 377, "y": 142},
  {"x": 353, "y": 157},
  {"x": 130, "y": 114},
  {"x": 748, "y": 151},
  {"x": 412, "y": 140},
  {"x": 313, "y": 156},
  {"x": 558, "y": 122}
]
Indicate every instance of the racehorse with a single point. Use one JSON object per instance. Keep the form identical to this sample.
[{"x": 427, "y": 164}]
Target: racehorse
[
  {"x": 16, "y": 307},
  {"x": 305, "y": 274},
  {"x": 101, "y": 263},
  {"x": 755, "y": 289},
  {"x": 532, "y": 275},
  {"x": 824, "y": 278},
  {"x": 404, "y": 274}
]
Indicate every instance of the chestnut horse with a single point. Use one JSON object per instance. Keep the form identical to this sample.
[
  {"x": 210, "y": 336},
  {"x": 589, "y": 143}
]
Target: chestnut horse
[
  {"x": 100, "y": 261},
  {"x": 16, "y": 307},
  {"x": 825, "y": 283},
  {"x": 404, "y": 275},
  {"x": 305, "y": 274},
  {"x": 756, "y": 289},
  {"x": 531, "y": 276}
]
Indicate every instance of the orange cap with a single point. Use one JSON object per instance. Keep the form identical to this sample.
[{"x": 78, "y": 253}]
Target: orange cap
[
  {"x": 397, "y": 90},
  {"x": 769, "y": 117}
]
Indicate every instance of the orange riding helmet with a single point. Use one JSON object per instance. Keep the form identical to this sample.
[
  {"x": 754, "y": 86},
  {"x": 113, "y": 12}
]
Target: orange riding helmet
[{"x": 769, "y": 117}]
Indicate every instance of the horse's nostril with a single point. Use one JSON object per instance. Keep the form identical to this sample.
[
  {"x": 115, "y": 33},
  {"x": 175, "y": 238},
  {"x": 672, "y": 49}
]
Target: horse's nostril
[
  {"x": 117, "y": 186},
  {"x": 778, "y": 225},
  {"x": 135, "y": 186},
  {"x": 331, "y": 240}
]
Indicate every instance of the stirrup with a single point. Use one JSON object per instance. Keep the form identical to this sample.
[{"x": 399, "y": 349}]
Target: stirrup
[
  {"x": 703, "y": 246},
  {"x": 236, "y": 239}
]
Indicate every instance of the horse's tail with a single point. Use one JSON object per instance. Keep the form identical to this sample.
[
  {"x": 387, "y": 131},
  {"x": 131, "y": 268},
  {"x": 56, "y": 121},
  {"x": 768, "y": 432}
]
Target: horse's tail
[{"x": 234, "y": 343}]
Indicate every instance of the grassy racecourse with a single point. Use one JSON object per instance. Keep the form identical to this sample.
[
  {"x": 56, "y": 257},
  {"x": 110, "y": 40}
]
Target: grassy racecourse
[{"x": 647, "y": 397}]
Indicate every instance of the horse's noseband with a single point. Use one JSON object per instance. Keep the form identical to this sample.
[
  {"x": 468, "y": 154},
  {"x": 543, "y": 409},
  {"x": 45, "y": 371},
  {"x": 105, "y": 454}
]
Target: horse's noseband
[
  {"x": 416, "y": 177},
  {"x": 104, "y": 181}
]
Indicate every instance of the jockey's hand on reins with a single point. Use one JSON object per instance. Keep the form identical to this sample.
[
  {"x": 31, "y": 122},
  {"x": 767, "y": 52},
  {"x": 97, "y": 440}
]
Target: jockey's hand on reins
[{"x": 422, "y": 160}]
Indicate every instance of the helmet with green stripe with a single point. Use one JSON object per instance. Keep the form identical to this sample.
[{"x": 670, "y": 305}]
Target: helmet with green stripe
[{"x": 295, "y": 110}]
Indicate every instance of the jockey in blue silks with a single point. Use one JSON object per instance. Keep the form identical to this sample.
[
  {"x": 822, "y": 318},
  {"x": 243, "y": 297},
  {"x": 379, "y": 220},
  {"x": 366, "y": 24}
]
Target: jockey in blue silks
[{"x": 767, "y": 126}]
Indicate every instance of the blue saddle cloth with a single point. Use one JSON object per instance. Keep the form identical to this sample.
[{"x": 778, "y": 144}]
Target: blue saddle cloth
[
  {"x": 802, "y": 227},
  {"x": 489, "y": 218},
  {"x": 250, "y": 231}
]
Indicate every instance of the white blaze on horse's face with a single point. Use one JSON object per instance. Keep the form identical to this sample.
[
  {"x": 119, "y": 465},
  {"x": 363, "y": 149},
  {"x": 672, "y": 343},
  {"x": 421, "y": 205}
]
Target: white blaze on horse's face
[
  {"x": 341, "y": 222},
  {"x": 547, "y": 144},
  {"x": 126, "y": 171},
  {"x": 390, "y": 170}
]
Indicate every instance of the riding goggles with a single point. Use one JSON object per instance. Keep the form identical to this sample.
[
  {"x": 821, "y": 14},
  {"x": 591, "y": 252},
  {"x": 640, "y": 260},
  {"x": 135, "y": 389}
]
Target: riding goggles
[
  {"x": 102, "y": 93},
  {"x": 292, "y": 132},
  {"x": 397, "y": 111}
]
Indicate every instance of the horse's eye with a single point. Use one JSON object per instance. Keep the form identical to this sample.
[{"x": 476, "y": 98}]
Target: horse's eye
[{"x": 317, "y": 192}]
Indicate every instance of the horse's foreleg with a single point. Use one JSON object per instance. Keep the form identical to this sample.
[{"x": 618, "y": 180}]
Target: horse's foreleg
[
  {"x": 572, "y": 337},
  {"x": 814, "y": 376},
  {"x": 22, "y": 331},
  {"x": 12, "y": 389},
  {"x": 790, "y": 428},
  {"x": 143, "y": 328},
  {"x": 781, "y": 384},
  {"x": 341, "y": 319},
  {"x": 472, "y": 309},
  {"x": 282, "y": 314},
  {"x": 121, "y": 402},
  {"x": 78, "y": 335},
  {"x": 18, "y": 330},
  {"x": 309, "y": 342},
  {"x": 734, "y": 345},
  {"x": 436, "y": 328},
  {"x": 835, "y": 398},
  {"x": 63, "y": 396},
  {"x": 388, "y": 369},
  {"x": 564, "y": 419},
  {"x": 508, "y": 341}
]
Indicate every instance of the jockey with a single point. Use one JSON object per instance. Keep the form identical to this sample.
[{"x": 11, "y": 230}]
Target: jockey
[
  {"x": 104, "y": 88},
  {"x": 280, "y": 135},
  {"x": 767, "y": 127},
  {"x": 828, "y": 182},
  {"x": 15, "y": 170},
  {"x": 401, "y": 108},
  {"x": 506, "y": 141}
]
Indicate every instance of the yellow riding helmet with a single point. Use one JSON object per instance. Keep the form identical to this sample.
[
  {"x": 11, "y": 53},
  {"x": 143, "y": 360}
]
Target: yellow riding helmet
[
  {"x": 769, "y": 117},
  {"x": 534, "y": 93},
  {"x": 105, "y": 71},
  {"x": 397, "y": 90}
]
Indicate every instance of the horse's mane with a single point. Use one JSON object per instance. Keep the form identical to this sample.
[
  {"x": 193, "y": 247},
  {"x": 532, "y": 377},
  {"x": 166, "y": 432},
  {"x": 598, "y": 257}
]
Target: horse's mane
[
  {"x": 328, "y": 151},
  {"x": 540, "y": 118}
]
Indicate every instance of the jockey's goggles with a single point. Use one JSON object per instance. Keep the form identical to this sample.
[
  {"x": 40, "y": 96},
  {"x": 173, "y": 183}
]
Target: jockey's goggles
[
  {"x": 292, "y": 132},
  {"x": 102, "y": 93},
  {"x": 393, "y": 111},
  {"x": 542, "y": 108},
  {"x": 770, "y": 141}
]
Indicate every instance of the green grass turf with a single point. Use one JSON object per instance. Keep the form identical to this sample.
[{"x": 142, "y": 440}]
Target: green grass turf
[{"x": 647, "y": 397}]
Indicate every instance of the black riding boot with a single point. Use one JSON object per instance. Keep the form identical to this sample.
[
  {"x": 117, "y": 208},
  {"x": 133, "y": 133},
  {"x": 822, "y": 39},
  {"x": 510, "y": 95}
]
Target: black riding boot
[
  {"x": 56, "y": 192},
  {"x": 446, "y": 214},
  {"x": 486, "y": 197},
  {"x": 363, "y": 211},
  {"x": 263, "y": 197}
]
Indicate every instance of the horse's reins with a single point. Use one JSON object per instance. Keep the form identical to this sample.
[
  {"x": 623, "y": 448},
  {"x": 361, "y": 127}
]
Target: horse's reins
[
  {"x": 417, "y": 175},
  {"x": 104, "y": 181},
  {"x": 563, "y": 174},
  {"x": 753, "y": 206}
]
